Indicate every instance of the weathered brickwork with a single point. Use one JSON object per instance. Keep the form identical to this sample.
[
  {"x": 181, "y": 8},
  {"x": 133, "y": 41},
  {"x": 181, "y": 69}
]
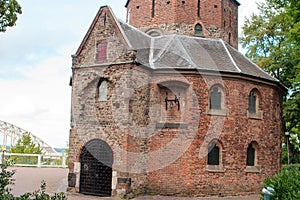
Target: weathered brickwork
[
  {"x": 219, "y": 19},
  {"x": 162, "y": 148}
]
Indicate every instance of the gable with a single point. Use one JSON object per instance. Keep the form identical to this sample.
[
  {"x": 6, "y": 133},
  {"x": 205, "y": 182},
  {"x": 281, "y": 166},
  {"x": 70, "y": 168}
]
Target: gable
[{"x": 104, "y": 42}]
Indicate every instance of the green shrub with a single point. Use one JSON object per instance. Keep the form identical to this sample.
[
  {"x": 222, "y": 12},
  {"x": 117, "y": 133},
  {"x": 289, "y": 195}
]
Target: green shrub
[
  {"x": 6, "y": 180},
  {"x": 286, "y": 184}
]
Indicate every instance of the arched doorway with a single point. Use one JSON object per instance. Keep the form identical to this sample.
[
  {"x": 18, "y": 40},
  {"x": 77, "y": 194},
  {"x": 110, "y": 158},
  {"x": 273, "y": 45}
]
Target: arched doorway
[{"x": 96, "y": 168}]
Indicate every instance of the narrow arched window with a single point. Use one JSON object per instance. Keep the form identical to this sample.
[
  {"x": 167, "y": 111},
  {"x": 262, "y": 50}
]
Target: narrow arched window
[
  {"x": 198, "y": 30},
  {"x": 215, "y": 98},
  {"x": 199, "y": 10},
  {"x": 252, "y": 102},
  {"x": 153, "y": 8},
  {"x": 213, "y": 154},
  {"x": 102, "y": 91},
  {"x": 250, "y": 155}
]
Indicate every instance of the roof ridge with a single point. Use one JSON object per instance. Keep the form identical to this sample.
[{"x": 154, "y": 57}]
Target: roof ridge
[
  {"x": 166, "y": 47},
  {"x": 120, "y": 27},
  {"x": 230, "y": 56}
]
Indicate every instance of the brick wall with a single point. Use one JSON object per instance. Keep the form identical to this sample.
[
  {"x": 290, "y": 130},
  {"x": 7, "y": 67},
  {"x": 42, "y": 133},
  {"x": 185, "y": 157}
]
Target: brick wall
[
  {"x": 165, "y": 151},
  {"x": 218, "y": 18}
]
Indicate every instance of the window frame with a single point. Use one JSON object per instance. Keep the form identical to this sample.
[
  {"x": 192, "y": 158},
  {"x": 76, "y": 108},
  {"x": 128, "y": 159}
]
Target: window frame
[
  {"x": 102, "y": 97},
  {"x": 219, "y": 166},
  {"x": 220, "y": 110},
  {"x": 251, "y": 112},
  {"x": 101, "y": 52},
  {"x": 252, "y": 168}
]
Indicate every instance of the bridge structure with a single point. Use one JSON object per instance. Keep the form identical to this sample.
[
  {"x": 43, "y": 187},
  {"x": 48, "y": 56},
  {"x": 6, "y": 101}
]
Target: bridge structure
[{"x": 10, "y": 134}]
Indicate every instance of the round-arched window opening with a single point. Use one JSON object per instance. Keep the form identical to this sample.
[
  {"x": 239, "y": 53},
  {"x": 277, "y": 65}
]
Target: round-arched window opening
[
  {"x": 198, "y": 30},
  {"x": 154, "y": 34}
]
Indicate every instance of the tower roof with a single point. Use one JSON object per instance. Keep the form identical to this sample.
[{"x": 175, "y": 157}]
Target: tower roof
[{"x": 186, "y": 52}]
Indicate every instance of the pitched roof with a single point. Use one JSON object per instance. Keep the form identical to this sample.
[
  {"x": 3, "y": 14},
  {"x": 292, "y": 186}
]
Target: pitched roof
[{"x": 186, "y": 52}]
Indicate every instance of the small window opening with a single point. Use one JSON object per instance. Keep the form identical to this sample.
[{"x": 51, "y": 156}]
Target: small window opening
[
  {"x": 215, "y": 6},
  {"x": 138, "y": 7},
  {"x": 101, "y": 52},
  {"x": 183, "y": 2},
  {"x": 199, "y": 10},
  {"x": 250, "y": 155},
  {"x": 102, "y": 91},
  {"x": 229, "y": 37},
  {"x": 153, "y": 8},
  {"x": 215, "y": 98},
  {"x": 198, "y": 30},
  {"x": 213, "y": 154},
  {"x": 168, "y": 2},
  {"x": 252, "y": 102}
]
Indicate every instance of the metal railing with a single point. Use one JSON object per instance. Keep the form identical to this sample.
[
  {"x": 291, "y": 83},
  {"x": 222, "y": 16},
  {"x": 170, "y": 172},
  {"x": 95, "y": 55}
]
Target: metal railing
[{"x": 35, "y": 160}]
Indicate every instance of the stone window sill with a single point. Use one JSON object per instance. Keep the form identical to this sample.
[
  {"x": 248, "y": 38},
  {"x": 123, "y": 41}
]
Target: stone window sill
[
  {"x": 215, "y": 168},
  {"x": 253, "y": 169},
  {"x": 172, "y": 125},
  {"x": 257, "y": 115},
  {"x": 222, "y": 112}
]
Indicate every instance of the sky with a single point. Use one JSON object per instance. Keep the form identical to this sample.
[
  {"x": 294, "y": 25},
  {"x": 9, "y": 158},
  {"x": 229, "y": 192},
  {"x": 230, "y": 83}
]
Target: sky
[{"x": 35, "y": 62}]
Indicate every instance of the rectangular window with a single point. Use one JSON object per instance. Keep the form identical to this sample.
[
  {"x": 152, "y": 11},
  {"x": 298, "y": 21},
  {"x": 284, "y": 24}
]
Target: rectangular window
[{"x": 101, "y": 52}]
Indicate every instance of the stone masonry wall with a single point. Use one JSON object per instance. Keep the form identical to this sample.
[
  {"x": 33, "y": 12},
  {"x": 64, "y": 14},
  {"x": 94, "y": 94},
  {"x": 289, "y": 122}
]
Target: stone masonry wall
[{"x": 219, "y": 19}]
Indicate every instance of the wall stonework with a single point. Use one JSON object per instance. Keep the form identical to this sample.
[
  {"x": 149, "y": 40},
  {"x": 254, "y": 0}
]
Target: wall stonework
[
  {"x": 164, "y": 151},
  {"x": 219, "y": 19}
]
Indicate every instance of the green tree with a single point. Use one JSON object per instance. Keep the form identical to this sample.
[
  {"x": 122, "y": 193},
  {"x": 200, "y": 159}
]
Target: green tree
[
  {"x": 272, "y": 40},
  {"x": 25, "y": 145},
  {"x": 8, "y": 13}
]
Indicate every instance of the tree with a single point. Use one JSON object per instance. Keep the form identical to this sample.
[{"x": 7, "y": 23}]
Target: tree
[
  {"x": 8, "y": 13},
  {"x": 26, "y": 146},
  {"x": 273, "y": 42}
]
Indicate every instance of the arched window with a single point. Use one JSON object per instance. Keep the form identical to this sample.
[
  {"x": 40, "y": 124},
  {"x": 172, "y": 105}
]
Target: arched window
[
  {"x": 252, "y": 102},
  {"x": 198, "y": 30},
  {"x": 253, "y": 105},
  {"x": 250, "y": 155},
  {"x": 102, "y": 91},
  {"x": 213, "y": 154},
  {"x": 215, "y": 98},
  {"x": 154, "y": 34}
]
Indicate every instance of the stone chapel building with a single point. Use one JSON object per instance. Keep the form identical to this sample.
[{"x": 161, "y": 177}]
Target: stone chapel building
[{"x": 165, "y": 104}]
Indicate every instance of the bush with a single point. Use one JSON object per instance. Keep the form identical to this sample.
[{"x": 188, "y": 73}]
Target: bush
[
  {"x": 6, "y": 180},
  {"x": 286, "y": 184}
]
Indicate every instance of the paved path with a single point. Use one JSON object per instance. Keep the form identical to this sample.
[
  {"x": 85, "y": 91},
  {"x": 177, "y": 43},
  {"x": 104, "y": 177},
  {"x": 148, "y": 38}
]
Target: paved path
[{"x": 29, "y": 179}]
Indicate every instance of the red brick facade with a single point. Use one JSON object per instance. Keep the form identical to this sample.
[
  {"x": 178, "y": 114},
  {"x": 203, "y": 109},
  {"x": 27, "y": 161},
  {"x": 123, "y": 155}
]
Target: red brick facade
[
  {"x": 164, "y": 149},
  {"x": 219, "y": 19}
]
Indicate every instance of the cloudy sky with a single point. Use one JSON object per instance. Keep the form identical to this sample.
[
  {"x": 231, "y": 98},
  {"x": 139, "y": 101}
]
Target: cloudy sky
[{"x": 35, "y": 62}]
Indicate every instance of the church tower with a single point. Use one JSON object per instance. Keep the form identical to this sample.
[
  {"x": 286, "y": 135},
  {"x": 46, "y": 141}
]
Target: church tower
[{"x": 203, "y": 18}]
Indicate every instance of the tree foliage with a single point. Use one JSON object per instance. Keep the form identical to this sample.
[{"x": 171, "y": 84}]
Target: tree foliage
[
  {"x": 273, "y": 42},
  {"x": 286, "y": 184},
  {"x": 8, "y": 13},
  {"x": 27, "y": 146}
]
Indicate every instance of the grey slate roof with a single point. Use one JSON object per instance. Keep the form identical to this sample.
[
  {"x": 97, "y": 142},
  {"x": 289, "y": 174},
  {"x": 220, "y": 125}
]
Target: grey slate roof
[{"x": 186, "y": 52}]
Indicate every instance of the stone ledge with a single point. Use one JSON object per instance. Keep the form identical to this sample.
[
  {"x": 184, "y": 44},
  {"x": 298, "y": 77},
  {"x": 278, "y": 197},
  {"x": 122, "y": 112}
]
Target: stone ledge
[
  {"x": 215, "y": 168},
  {"x": 253, "y": 169},
  {"x": 172, "y": 125},
  {"x": 222, "y": 112},
  {"x": 257, "y": 115}
]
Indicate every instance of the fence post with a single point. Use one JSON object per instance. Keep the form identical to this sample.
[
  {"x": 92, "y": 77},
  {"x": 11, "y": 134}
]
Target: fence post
[
  {"x": 39, "y": 160},
  {"x": 64, "y": 162}
]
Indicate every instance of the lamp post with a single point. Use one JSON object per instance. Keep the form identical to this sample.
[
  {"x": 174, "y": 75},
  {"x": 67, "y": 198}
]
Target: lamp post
[{"x": 287, "y": 134}]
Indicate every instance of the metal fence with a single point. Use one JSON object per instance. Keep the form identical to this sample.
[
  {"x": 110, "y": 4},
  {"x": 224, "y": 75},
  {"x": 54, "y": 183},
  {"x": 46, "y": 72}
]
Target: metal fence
[{"x": 35, "y": 160}]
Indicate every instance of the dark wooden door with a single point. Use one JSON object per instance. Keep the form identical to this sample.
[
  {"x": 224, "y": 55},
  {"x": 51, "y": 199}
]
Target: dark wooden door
[{"x": 96, "y": 168}]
